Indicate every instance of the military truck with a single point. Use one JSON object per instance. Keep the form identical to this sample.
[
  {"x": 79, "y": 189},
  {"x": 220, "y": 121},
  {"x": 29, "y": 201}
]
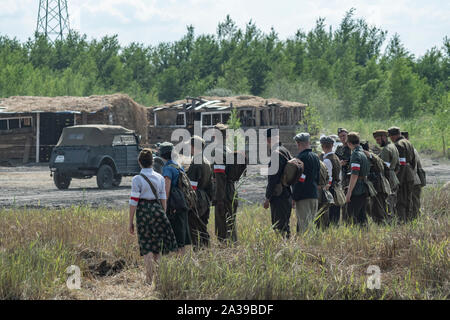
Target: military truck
[{"x": 107, "y": 152}]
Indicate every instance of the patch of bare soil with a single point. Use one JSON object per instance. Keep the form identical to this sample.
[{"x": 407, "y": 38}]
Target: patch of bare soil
[{"x": 32, "y": 186}]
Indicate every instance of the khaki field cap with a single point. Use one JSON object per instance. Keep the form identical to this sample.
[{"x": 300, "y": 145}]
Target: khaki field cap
[
  {"x": 380, "y": 133},
  {"x": 302, "y": 137},
  {"x": 221, "y": 127},
  {"x": 394, "y": 131}
]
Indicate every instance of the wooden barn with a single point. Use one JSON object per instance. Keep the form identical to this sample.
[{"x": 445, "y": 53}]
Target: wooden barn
[
  {"x": 253, "y": 112},
  {"x": 31, "y": 126}
]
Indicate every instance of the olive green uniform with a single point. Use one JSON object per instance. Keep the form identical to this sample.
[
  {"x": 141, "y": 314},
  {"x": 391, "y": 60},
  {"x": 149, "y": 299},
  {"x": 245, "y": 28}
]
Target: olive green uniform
[
  {"x": 378, "y": 204},
  {"x": 225, "y": 202},
  {"x": 360, "y": 166},
  {"x": 389, "y": 154},
  {"x": 405, "y": 175},
  {"x": 200, "y": 175},
  {"x": 417, "y": 189}
]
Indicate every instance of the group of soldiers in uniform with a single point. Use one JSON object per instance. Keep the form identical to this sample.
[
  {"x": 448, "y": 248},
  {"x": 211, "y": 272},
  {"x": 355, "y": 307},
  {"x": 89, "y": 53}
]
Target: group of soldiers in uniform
[{"x": 383, "y": 183}]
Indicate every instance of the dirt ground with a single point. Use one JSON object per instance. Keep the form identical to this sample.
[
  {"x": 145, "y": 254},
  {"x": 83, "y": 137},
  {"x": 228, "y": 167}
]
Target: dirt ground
[{"x": 32, "y": 186}]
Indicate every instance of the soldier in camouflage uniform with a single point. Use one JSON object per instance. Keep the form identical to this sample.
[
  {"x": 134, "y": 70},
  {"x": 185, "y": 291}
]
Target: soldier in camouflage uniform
[
  {"x": 344, "y": 153},
  {"x": 405, "y": 174},
  {"x": 200, "y": 175},
  {"x": 389, "y": 154},
  {"x": 225, "y": 195},
  {"x": 419, "y": 182}
]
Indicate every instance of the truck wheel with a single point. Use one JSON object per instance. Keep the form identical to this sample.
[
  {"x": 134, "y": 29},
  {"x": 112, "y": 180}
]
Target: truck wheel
[
  {"x": 117, "y": 180},
  {"x": 105, "y": 177},
  {"x": 62, "y": 182}
]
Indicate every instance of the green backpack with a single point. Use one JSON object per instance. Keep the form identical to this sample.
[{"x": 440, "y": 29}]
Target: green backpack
[{"x": 184, "y": 184}]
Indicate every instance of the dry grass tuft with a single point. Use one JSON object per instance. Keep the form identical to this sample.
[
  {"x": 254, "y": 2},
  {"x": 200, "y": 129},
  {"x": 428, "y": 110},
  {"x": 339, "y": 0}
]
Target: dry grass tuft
[{"x": 36, "y": 247}]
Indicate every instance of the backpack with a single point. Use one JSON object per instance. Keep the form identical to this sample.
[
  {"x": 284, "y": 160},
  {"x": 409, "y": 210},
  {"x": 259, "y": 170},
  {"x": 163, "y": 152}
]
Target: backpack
[
  {"x": 235, "y": 171},
  {"x": 292, "y": 172},
  {"x": 324, "y": 177},
  {"x": 184, "y": 185}
]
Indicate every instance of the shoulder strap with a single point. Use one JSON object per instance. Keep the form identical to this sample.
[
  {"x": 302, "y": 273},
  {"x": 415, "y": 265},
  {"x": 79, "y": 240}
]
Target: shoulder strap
[{"x": 151, "y": 186}]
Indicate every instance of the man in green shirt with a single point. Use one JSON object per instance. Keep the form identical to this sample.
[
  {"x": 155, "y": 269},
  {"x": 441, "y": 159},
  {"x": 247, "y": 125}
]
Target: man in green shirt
[
  {"x": 357, "y": 190},
  {"x": 389, "y": 154}
]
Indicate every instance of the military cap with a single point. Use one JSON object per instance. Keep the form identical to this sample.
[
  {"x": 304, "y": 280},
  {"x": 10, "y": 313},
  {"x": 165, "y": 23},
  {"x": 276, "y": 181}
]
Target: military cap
[
  {"x": 380, "y": 133},
  {"x": 326, "y": 140},
  {"x": 302, "y": 137},
  {"x": 221, "y": 127},
  {"x": 394, "y": 131},
  {"x": 272, "y": 132},
  {"x": 342, "y": 130},
  {"x": 405, "y": 134},
  {"x": 165, "y": 147}
]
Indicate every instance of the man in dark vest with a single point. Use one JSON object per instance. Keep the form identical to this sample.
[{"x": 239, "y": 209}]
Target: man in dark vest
[
  {"x": 278, "y": 197},
  {"x": 200, "y": 175},
  {"x": 305, "y": 192},
  {"x": 405, "y": 174},
  {"x": 226, "y": 202},
  {"x": 333, "y": 164},
  {"x": 357, "y": 189}
]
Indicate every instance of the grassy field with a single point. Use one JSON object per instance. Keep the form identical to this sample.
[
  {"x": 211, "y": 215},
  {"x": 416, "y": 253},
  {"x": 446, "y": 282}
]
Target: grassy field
[
  {"x": 36, "y": 247},
  {"x": 423, "y": 132}
]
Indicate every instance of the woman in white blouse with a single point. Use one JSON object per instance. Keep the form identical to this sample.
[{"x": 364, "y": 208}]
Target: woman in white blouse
[{"x": 148, "y": 202}]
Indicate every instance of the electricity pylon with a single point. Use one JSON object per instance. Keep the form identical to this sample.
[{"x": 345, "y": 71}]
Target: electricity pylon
[{"x": 53, "y": 19}]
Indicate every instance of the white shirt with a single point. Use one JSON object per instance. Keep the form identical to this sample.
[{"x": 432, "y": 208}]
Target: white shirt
[
  {"x": 140, "y": 188},
  {"x": 329, "y": 165}
]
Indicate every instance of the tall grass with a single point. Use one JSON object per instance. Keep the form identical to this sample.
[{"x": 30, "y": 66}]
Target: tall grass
[{"x": 36, "y": 246}]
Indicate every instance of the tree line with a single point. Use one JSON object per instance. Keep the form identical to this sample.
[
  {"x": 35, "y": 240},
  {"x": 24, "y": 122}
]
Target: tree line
[{"x": 353, "y": 71}]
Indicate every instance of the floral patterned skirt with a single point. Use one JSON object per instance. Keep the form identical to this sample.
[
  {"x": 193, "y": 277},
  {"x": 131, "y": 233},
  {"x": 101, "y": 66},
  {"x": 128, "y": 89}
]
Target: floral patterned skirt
[{"x": 154, "y": 231}]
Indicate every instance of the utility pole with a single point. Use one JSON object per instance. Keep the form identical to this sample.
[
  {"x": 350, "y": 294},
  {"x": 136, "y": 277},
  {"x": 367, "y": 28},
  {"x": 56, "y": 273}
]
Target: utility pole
[{"x": 53, "y": 19}]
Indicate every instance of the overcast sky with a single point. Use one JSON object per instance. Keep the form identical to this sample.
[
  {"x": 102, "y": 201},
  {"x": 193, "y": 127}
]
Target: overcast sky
[{"x": 420, "y": 24}]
